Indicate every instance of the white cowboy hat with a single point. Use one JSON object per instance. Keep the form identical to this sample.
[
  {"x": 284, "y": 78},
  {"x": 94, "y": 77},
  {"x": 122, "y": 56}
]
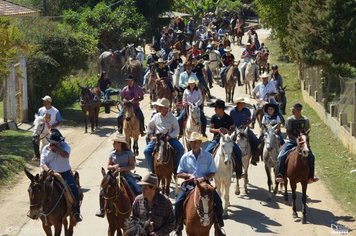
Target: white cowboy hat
[
  {"x": 248, "y": 44},
  {"x": 240, "y": 100},
  {"x": 227, "y": 49},
  {"x": 119, "y": 138},
  {"x": 191, "y": 80},
  {"x": 179, "y": 31},
  {"x": 160, "y": 60},
  {"x": 47, "y": 98},
  {"x": 139, "y": 48},
  {"x": 163, "y": 102},
  {"x": 195, "y": 136},
  {"x": 264, "y": 75}
]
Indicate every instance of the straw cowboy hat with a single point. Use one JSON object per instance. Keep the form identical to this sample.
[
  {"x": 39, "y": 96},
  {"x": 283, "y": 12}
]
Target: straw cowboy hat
[
  {"x": 163, "y": 102},
  {"x": 149, "y": 179},
  {"x": 191, "y": 80},
  {"x": 119, "y": 138},
  {"x": 139, "y": 48},
  {"x": 160, "y": 60},
  {"x": 227, "y": 49},
  {"x": 264, "y": 75},
  {"x": 240, "y": 100},
  {"x": 195, "y": 136}
]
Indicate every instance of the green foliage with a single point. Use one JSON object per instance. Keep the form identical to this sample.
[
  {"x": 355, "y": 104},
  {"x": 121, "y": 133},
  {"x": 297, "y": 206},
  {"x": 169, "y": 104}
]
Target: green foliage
[
  {"x": 12, "y": 44},
  {"x": 230, "y": 5},
  {"x": 196, "y": 8},
  {"x": 112, "y": 28}
]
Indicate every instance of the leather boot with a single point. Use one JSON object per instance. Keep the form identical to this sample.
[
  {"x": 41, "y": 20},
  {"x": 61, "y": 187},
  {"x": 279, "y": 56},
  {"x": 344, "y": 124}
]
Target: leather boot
[{"x": 101, "y": 211}]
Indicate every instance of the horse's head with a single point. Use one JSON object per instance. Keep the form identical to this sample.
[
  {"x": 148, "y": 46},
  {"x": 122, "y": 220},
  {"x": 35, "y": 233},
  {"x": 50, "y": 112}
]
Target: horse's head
[
  {"x": 109, "y": 183},
  {"x": 270, "y": 136},
  {"x": 303, "y": 143},
  {"x": 128, "y": 110},
  {"x": 194, "y": 113},
  {"x": 204, "y": 202},
  {"x": 227, "y": 145},
  {"x": 37, "y": 193},
  {"x": 85, "y": 94},
  {"x": 161, "y": 147},
  {"x": 40, "y": 127}
]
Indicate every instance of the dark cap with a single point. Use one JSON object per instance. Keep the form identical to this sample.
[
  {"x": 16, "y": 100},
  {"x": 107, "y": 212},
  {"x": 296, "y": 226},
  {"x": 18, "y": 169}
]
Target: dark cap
[
  {"x": 297, "y": 106},
  {"x": 218, "y": 104},
  {"x": 274, "y": 67},
  {"x": 56, "y": 136},
  {"x": 275, "y": 107},
  {"x": 130, "y": 77}
]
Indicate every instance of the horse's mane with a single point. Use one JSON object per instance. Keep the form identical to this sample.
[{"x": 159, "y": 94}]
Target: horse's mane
[{"x": 137, "y": 227}]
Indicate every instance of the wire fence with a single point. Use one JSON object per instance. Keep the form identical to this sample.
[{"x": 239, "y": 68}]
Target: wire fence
[{"x": 334, "y": 92}]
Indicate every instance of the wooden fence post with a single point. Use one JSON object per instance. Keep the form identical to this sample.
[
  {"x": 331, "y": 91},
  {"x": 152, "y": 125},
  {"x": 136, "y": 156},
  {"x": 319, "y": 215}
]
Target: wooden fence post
[{"x": 353, "y": 118}]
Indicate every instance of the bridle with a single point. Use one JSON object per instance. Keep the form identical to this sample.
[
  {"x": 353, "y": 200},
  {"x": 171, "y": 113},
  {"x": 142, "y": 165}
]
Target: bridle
[{"x": 202, "y": 215}]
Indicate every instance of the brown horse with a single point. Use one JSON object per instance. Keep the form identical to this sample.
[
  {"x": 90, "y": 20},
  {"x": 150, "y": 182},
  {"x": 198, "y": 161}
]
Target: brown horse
[
  {"x": 240, "y": 32},
  {"x": 164, "y": 158},
  {"x": 162, "y": 90},
  {"x": 131, "y": 126},
  {"x": 199, "y": 209},
  {"x": 48, "y": 202},
  {"x": 90, "y": 103},
  {"x": 262, "y": 61},
  {"x": 151, "y": 85},
  {"x": 297, "y": 172},
  {"x": 134, "y": 68},
  {"x": 232, "y": 75},
  {"x": 117, "y": 202}
]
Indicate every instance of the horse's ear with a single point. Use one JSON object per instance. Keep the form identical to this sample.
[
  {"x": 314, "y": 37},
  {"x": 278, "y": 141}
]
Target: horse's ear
[
  {"x": 103, "y": 172},
  {"x": 246, "y": 129},
  {"x": 307, "y": 132},
  {"x": 28, "y": 174}
]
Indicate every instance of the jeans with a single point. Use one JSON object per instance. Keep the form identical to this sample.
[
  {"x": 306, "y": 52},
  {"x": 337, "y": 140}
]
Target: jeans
[
  {"x": 243, "y": 69},
  {"x": 283, "y": 154},
  {"x": 176, "y": 145},
  {"x": 133, "y": 183},
  {"x": 110, "y": 91},
  {"x": 202, "y": 82},
  {"x": 179, "y": 212},
  {"x": 138, "y": 113},
  {"x": 203, "y": 120},
  {"x": 68, "y": 177}
]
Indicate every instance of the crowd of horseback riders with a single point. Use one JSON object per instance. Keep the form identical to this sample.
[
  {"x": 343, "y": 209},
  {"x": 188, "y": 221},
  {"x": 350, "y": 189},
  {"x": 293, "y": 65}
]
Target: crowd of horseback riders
[{"x": 179, "y": 75}]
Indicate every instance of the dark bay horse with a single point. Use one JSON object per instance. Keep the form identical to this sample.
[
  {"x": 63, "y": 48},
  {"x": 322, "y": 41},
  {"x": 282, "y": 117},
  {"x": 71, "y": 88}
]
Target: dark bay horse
[
  {"x": 164, "y": 158},
  {"x": 117, "y": 202},
  {"x": 297, "y": 172},
  {"x": 232, "y": 75},
  {"x": 162, "y": 90},
  {"x": 49, "y": 203},
  {"x": 199, "y": 209},
  {"x": 90, "y": 103}
]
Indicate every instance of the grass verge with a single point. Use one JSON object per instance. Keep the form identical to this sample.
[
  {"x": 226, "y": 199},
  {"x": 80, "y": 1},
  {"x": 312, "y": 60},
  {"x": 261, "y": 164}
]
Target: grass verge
[
  {"x": 333, "y": 161},
  {"x": 16, "y": 150}
]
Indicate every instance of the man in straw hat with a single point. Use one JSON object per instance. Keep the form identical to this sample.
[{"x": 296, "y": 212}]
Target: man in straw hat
[
  {"x": 121, "y": 159},
  {"x": 222, "y": 123},
  {"x": 163, "y": 122},
  {"x": 55, "y": 157},
  {"x": 140, "y": 54},
  {"x": 153, "y": 206},
  {"x": 248, "y": 53},
  {"x": 242, "y": 118},
  {"x": 196, "y": 164},
  {"x": 294, "y": 125},
  {"x": 134, "y": 94}
]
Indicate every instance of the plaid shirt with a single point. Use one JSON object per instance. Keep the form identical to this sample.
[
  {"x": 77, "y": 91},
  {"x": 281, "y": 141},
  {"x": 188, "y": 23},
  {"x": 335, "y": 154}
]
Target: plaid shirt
[{"x": 161, "y": 213}]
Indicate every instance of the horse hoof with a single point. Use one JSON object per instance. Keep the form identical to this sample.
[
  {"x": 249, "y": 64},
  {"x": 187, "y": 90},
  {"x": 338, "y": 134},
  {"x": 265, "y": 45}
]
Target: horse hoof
[{"x": 237, "y": 192}]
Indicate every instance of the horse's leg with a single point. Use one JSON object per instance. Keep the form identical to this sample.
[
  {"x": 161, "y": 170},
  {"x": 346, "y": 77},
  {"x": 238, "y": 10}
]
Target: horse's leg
[
  {"x": 168, "y": 183},
  {"x": 85, "y": 121},
  {"x": 57, "y": 229},
  {"x": 176, "y": 184},
  {"x": 304, "y": 200},
  {"x": 97, "y": 117},
  {"x": 218, "y": 187},
  {"x": 269, "y": 182},
  {"x": 275, "y": 189},
  {"x": 135, "y": 147},
  {"x": 294, "y": 196},
  {"x": 246, "y": 82},
  {"x": 47, "y": 229},
  {"x": 237, "y": 188},
  {"x": 246, "y": 180},
  {"x": 227, "y": 195},
  {"x": 111, "y": 230},
  {"x": 285, "y": 189}
]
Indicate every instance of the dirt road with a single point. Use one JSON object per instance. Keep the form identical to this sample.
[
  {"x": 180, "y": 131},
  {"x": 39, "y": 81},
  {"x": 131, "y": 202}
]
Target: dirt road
[{"x": 249, "y": 214}]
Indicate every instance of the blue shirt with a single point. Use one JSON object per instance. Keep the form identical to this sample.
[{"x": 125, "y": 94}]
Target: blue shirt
[
  {"x": 199, "y": 167},
  {"x": 240, "y": 118}
]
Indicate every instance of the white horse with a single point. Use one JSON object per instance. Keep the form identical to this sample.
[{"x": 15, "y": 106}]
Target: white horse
[
  {"x": 214, "y": 63},
  {"x": 41, "y": 131},
  {"x": 270, "y": 154},
  {"x": 250, "y": 75},
  {"x": 177, "y": 72},
  {"x": 244, "y": 144},
  {"x": 223, "y": 162},
  {"x": 193, "y": 123}
]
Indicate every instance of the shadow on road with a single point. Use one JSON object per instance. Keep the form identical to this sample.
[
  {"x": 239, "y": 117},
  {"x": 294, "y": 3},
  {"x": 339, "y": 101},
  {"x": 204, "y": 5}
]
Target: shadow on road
[
  {"x": 326, "y": 218},
  {"x": 256, "y": 220}
]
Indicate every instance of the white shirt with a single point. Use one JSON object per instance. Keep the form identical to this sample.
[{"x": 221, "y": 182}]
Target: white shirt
[
  {"x": 194, "y": 96},
  {"x": 164, "y": 124},
  {"x": 53, "y": 160},
  {"x": 53, "y": 113},
  {"x": 261, "y": 90}
]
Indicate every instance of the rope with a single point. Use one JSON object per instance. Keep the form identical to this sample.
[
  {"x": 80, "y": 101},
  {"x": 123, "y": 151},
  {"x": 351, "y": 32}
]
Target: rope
[{"x": 55, "y": 206}]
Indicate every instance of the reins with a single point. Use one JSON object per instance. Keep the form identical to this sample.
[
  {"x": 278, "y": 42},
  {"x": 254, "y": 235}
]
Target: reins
[{"x": 115, "y": 198}]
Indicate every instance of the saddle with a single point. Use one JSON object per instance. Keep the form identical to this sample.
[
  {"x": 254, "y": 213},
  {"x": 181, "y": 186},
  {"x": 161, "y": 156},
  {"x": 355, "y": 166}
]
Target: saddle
[
  {"x": 128, "y": 189},
  {"x": 68, "y": 195}
]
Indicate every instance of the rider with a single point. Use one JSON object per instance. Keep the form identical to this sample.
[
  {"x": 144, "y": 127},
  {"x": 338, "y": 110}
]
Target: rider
[
  {"x": 247, "y": 54},
  {"x": 163, "y": 73},
  {"x": 271, "y": 117},
  {"x": 122, "y": 160},
  {"x": 201, "y": 74},
  {"x": 140, "y": 54},
  {"x": 152, "y": 58},
  {"x": 252, "y": 33},
  {"x": 184, "y": 77},
  {"x": 228, "y": 61},
  {"x": 295, "y": 124},
  {"x": 53, "y": 119},
  {"x": 278, "y": 82},
  {"x": 163, "y": 122},
  {"x": 175, "y": 61},
  {"x": 199, "y": 165},
  {"x": 192, "y": 94},
  {"x": 133, "y": 93},
  {"x": 104, "y": 85},
  {"x": 55, "y": 157},
  {"x": 222, "y": 123},
  {"x": 242, "y": 118}
]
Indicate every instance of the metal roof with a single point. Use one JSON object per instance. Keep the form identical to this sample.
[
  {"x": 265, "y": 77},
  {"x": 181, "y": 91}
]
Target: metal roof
[{"x": 11, "y": 9}]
